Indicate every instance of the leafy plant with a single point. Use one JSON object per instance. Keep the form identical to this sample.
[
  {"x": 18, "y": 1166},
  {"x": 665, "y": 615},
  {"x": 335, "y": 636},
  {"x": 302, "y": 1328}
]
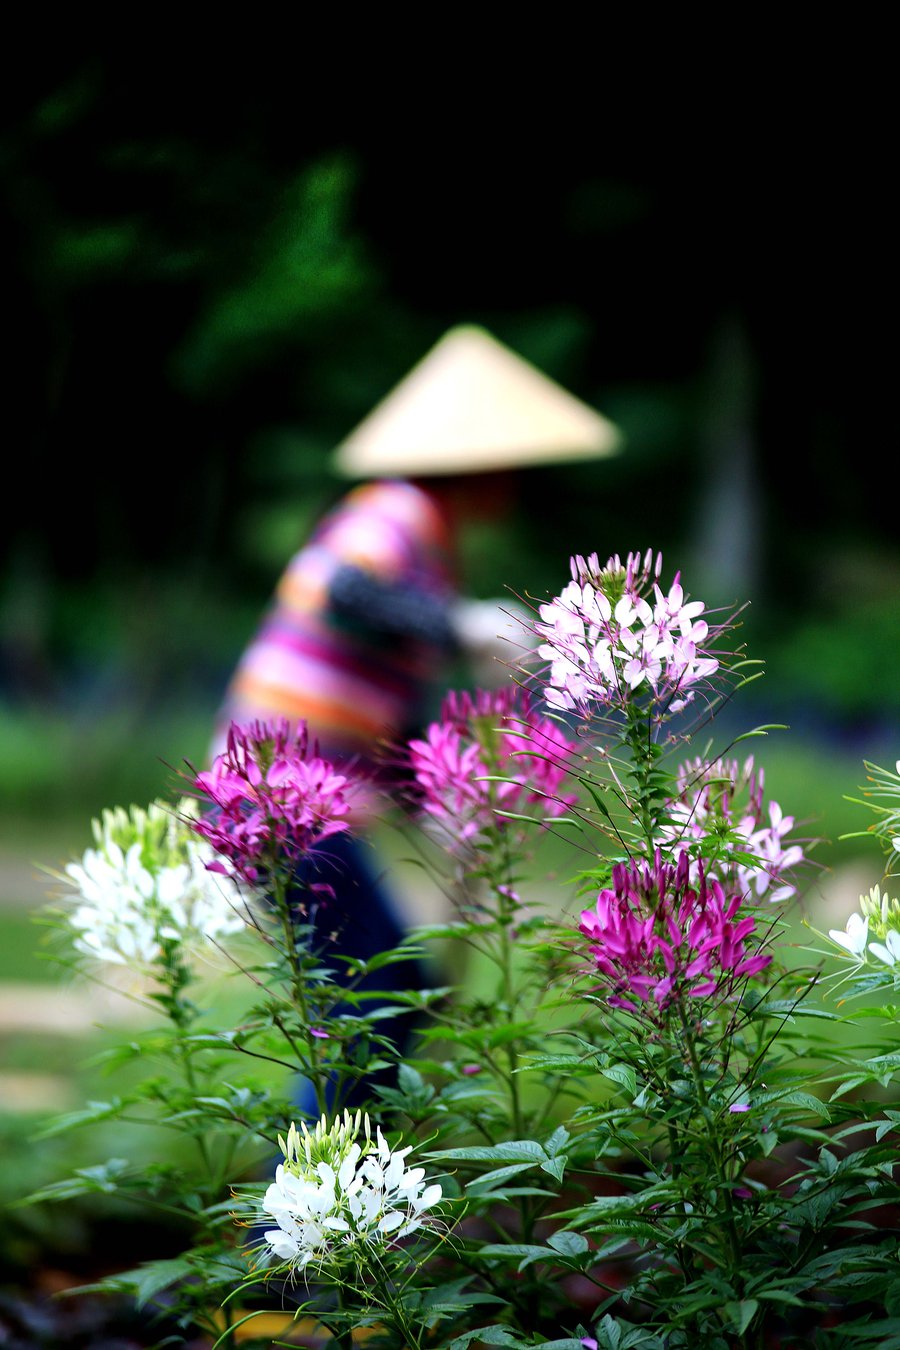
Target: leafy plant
[{"x": 637, "y": 1128}]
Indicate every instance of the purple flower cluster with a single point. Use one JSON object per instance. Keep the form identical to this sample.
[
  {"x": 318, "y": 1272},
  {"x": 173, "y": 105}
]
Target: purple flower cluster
[
  {"x": 272, "y": 800},
  {"x": 656, "y": 934},
  {"x": 726, "y": 795},
  {"x": 606, "y": 641},
  {"x": 489, "y": 753}
]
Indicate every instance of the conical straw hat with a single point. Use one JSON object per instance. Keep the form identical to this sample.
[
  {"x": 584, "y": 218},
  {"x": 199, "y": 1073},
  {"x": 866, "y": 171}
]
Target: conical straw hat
[{"x": 471, "y": 405}]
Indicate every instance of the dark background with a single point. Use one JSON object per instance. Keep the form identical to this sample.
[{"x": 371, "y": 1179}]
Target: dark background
[{"x": 215, "y": 269}]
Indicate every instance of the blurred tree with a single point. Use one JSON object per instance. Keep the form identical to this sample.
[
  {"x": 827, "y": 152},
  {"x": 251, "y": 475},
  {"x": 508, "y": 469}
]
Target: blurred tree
[{"x": 211, "y": 277}]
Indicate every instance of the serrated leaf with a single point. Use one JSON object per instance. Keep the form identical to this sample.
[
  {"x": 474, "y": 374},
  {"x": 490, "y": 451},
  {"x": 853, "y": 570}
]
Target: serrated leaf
[
  {"x": 525, "y": 1252},
  {"x": 609, "y": 1333},
  {"x": 557, "y": 1140},
  {"x": 624, "y": 1076},
  {"x": 567, "y": 1064},
  {"x": 568, "y": 1243},
  {"x": 517, "y": 1150},
  {"x": 149, "y": 1280},
  {"x": 495, "y": 1335},
  {"x": 607, "y": 1206},
  {"x": 791, "y": 1097}
]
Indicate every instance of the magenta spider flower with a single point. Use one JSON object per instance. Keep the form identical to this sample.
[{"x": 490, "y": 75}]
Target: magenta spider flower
[
  {"x": 273, "y": 799},
  {"x": 489, "y": 754},
  {"x": 725, "y": 795},
  {"x": 612, "y": 637},
  {"x": 656, "y": 935}
]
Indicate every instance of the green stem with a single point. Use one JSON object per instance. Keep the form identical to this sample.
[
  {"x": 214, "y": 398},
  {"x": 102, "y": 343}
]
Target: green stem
[
  {"x": 506, "y": 908},
  {"x": 714, "y": 1141},
  {"x": 181, "y": 1015},
  {"x": 313, "y": 1064},
  {"x": 643, "y": 759}
]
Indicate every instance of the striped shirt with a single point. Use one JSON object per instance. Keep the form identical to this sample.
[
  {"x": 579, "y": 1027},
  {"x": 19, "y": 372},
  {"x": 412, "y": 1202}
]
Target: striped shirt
[{"x": 353, "y": 684}]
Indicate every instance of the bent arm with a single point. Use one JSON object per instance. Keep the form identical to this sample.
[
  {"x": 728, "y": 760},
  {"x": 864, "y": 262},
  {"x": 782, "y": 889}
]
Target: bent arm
[{"x": 392, "y": 609}]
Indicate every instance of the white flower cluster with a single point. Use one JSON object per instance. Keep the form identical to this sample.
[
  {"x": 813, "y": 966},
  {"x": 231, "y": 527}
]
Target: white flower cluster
[
  {"x": 879, "y": 913},
  {"x": 604, "y": 639},
  {"x": 146, "y": 883},
  {"x": 334, "y": 1194}
]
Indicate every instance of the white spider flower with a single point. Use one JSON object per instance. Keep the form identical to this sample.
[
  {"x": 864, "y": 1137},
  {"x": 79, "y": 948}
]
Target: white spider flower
[
  {"x": 146, "y": 884},
  {"x": 337, "y": 1194},
  {"x": 853, "y": 939},
  {"x": 889, "y": 950}
]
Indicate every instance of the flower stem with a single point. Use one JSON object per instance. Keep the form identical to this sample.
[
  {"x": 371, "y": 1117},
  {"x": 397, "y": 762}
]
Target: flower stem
[{"x": 298, "y": 989}]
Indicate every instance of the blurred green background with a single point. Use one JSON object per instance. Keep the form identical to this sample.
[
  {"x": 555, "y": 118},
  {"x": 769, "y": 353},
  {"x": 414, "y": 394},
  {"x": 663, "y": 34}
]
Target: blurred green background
[
  {"x": 210, "y": 280},
  {"x": 214, "y": 271}
]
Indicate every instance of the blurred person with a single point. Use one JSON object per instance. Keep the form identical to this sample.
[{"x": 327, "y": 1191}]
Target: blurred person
[{"x": 371, "y": 613}]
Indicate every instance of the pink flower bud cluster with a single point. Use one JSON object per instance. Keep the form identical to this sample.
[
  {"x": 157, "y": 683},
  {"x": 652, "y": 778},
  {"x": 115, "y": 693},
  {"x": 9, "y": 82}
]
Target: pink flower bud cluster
[
  {"x": 494, "y": 736},
  {"x": 726, "y": 795},
  {"x": 656, "y": 935},
  {"x": 607, "y": 644},
  {"x": 272, "y": 800}
]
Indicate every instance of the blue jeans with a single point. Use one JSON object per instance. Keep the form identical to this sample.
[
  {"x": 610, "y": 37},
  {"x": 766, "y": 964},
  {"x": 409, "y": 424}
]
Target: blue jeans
[{"x": 365, "y": 921}]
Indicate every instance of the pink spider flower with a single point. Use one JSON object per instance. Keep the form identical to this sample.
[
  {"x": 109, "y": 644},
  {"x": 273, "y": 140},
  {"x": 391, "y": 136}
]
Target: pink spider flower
[
  {"x": 655, "y": 934},
  {"x": 612, "y": 636},
  {"x": 489, "y": 753},
  {"x": 724, "y": 794},
  {"x": 272, "y": 798}
]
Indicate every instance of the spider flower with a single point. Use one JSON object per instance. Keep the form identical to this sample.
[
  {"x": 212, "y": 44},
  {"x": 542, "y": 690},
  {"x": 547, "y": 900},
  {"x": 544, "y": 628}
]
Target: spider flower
[
  {"x": 656, "y": 934},
  {"x": 145, "y": 884},
  {"x": 725, "y": 801},
  {"x": 339, "y": 1193},
  {"x": 489, "y": 754},
  {"x": 613, "y": 637},
  {"x": 882, "y": 795},
  {"x": 272, "y": 798},
  {"x": 879, "y": 919}
]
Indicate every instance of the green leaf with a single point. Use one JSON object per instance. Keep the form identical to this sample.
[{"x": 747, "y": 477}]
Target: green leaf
[
  {"x": 149, "y": 1280},
  {"x": 485, "y": 1184},
  {"x": 567, "y": 1343},
  {"x": 567, "y": 1064},
  {"x": 557, "y": 1140},
  {"x": 612, "y": 1332},
  {"x": 605, "y": 1207},
  {"x": 525, "y": 1252},
  {"x": 517, "y": 1150},
  {"x": 454, "y": 1296},
  {"x": 792, "y": 1008},
  {"x": 742, "y": 1314},
  {"x": 884, "y": 1127},
  {"x": 789, "y": 1097},
  {"x": 89, "y": 1115},
  {"x": 568, "y": 1243},
  {"x": 103, "y": 1178},
  {"x": 495, "y": 1335},
  {"x": 624, "y": 1075},
  {"x": 780, "y": 1296}
]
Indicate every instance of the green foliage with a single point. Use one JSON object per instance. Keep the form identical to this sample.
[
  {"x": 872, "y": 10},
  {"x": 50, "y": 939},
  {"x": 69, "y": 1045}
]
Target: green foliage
[{"x": 669, "y": 1164}]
